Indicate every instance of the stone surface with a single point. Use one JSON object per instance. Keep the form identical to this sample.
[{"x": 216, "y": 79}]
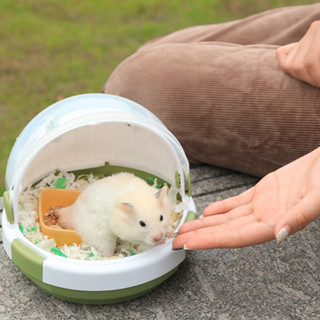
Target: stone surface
[{"x": 268, "y": 281}]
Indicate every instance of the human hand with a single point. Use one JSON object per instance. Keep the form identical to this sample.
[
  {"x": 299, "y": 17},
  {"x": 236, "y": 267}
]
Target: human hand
[
  {"x": 282, "y": 203},
  {"x": 302, "y": 59}
]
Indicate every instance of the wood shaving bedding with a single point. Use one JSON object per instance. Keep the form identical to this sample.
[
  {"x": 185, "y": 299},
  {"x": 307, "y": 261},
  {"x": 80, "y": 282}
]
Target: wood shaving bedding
[{"x": 30, "y": 227}]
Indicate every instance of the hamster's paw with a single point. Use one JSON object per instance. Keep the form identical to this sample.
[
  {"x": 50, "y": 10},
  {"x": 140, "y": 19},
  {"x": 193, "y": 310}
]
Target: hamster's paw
[
  {"x": 108, "y": 253},
  {"x": 170, "y": 234},
  {"x": 163, "y": 241},
  {"x": 106, "y": 246}
]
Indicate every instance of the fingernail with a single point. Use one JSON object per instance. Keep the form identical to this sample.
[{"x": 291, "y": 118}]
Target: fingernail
[
  {"x": 185, "y": 247},
  {"x": 176, "y": 249},
  {"x": 283, "y": 234}
]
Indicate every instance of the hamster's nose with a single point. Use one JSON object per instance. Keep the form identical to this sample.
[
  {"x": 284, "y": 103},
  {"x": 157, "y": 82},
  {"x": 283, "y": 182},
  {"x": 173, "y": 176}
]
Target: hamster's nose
[{"x": 157, "y": 237}]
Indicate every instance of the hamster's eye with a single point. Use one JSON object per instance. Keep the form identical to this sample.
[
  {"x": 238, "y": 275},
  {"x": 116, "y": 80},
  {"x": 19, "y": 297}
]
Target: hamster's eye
[
  {"x": 142, "y": 223},
  {"x": 161, "y": 218}
]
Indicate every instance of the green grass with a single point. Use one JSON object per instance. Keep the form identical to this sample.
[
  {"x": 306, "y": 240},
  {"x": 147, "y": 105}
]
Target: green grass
[{"x": 58, "y": 48}]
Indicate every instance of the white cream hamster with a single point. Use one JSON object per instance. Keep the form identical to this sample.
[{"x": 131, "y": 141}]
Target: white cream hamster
[{"x": 123, "y": 206}]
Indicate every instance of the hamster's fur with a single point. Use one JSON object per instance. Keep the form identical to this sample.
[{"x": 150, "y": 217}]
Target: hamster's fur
[{"x": 123, "y": 206}]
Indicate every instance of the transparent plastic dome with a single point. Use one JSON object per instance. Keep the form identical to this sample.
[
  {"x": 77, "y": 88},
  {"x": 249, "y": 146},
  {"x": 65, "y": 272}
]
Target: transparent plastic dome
[{"x": 88, "y": 130}]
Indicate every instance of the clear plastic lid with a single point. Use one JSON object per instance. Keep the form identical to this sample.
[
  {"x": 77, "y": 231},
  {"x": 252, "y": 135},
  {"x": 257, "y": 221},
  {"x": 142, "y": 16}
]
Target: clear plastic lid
[{"x": 90, "y": 129}]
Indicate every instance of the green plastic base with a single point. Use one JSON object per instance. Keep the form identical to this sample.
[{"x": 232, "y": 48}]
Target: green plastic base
[
  {"x": 102, "y": 297},
  {"x": 30, "y": 263}
]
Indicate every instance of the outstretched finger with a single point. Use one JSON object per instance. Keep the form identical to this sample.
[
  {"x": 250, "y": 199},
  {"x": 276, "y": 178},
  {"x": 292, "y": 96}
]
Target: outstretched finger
[
  {"x": 227, "y": 205},
  {"x": 225, "y": 236},
  {"x": 215, "y": 220}
]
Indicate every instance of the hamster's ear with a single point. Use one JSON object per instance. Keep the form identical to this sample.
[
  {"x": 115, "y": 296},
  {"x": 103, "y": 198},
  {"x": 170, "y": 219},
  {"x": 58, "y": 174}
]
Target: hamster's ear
[
  {"x": 162, "y": 192},
  {"x": 126, "y": 207}
]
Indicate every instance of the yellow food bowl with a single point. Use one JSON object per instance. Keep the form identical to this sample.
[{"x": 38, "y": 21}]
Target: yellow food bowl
[{"x": 57, "y": 197}]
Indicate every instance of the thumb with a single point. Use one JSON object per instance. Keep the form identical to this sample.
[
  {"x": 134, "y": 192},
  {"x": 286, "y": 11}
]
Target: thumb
[
  {"x": 283, "y": 52},
  {"x": 287, "y": 48},
  {"x": 296, "y": 219}
]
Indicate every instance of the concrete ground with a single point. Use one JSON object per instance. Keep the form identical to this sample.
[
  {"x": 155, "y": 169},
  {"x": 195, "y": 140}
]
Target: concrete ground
[{"x": 268, "y": 281}]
